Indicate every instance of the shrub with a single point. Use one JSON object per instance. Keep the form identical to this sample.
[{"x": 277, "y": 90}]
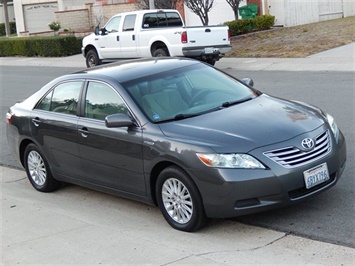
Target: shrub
[
  {"x": 41, "y": 46},
  {"x": 54, "y": 26},
  {"x": 264, "y": 22},
  {"x": 12, "y": 28},
  {"x": 238, "y": 27}
]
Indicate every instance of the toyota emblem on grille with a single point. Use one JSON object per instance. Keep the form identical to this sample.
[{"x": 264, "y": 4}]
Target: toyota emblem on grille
[{"x": 307, "y": 143}]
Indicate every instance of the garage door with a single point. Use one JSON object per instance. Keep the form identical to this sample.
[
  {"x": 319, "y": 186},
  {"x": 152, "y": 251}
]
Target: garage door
[{"x": 38, "y": 16}]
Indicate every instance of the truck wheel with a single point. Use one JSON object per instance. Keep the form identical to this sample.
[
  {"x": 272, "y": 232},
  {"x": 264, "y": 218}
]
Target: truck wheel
[
  {"x": 179, "y": 200},
  {"x": 160, "y": 52},
  {"x": 210, "y": 61},
  {"x": 92, "y": 59}
]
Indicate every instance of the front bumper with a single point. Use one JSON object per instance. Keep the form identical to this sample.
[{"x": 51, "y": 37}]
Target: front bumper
[{"x": 244, "y": 191}]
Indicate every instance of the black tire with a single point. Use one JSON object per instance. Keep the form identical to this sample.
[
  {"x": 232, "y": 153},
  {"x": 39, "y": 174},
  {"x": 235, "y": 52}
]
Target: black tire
[
  {"x": 183, "y": 207},
  {"x": 161, "y": 52},
  {"x": 211, "y": 61},
  {"x": 92, "y": 59},
  {"x": 38, "y": 171}
]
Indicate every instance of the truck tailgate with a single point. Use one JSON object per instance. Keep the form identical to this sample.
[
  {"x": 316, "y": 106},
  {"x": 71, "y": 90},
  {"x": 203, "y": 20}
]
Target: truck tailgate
[{"x": 207, "y": 36}]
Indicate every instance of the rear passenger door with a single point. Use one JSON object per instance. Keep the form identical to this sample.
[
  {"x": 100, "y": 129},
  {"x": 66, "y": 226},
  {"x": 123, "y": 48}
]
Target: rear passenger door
[
  {"x": 54, "y": 127},
  {"x": 128, "y": 37},
  {"x": 111, "y": 157}
]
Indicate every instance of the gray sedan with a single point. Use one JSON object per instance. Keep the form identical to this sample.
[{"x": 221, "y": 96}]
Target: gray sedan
[{"x": 179, "y": 134}]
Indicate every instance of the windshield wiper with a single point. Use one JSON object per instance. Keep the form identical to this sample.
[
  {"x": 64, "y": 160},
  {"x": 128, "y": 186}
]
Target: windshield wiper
[
  {"x": 227, "y": 104},
  {"x": 183, "y": 116}
]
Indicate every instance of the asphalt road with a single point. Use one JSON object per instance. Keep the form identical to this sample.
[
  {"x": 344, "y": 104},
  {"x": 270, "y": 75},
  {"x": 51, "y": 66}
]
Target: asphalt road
[{"x": 328, "y": 217}]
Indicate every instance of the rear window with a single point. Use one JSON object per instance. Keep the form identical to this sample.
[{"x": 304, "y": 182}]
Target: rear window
[{"x": 161, "y": 19}]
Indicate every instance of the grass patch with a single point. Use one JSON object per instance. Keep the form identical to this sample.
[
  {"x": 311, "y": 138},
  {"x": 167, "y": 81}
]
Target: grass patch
[{"x": 293, "y": 42}]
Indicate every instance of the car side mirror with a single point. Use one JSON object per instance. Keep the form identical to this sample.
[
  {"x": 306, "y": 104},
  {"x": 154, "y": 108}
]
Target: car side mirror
[
  {"x": 248, "y": 81},
  {"x": 97, "y": 30},
  {"x": 118, "y": 120}
]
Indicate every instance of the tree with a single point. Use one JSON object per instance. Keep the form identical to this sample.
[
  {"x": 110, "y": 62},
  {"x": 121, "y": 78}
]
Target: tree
[
  {"x": 200, "y": 8},
  {"x": 159, "y": 4},
  {"x": 235, "y": 6}
]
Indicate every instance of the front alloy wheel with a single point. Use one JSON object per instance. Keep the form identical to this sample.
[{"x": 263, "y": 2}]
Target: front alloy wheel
[{"x": 179, "y": 200}]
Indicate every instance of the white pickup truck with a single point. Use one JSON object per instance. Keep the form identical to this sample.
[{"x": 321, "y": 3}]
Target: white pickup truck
[{"x": 153, "y": 33}]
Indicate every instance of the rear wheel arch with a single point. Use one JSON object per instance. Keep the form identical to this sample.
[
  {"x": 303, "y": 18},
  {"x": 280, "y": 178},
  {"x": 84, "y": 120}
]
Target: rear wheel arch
[
  {"x": 23, "y": 147},
  {"x": 159, "y": 45}
]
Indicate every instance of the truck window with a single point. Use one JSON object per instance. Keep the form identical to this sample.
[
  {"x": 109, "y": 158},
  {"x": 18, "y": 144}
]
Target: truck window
[
  {"x": 129, "y": 22},
  {"x": 113, "y": 25},
  {"x": 161, "y": 19}
]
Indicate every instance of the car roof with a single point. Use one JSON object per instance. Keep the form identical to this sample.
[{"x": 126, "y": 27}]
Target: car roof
[
  {"x": 145, "y": 11},
  {"x": 127, "y": 70}
]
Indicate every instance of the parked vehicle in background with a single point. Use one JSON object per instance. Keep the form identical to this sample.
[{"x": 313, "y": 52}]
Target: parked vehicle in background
[{"x": 154, "y": 33}]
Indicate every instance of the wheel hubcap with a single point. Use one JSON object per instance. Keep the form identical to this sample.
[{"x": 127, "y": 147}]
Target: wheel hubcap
[
  {"x": 36, "y": 168},
  {"x": 177, "y": 201},
  {"x": 92, "y": 61}
]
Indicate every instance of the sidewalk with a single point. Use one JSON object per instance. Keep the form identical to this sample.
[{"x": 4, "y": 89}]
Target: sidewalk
[
  {"x": 338, "y": 59},
  {"x": 78, "y": 226}
]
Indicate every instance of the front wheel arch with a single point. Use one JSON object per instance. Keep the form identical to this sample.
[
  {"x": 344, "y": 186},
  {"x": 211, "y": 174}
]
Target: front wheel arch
[
  {"x": 180, "y": 200},
  {"x": 92, "y": 58}
]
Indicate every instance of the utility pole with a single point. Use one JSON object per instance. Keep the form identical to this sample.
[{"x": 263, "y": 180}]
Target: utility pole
[{"x": 151, "y": 4}]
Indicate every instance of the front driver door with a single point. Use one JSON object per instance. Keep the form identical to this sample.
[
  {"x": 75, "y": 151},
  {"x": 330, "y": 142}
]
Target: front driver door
[
  {"x": 111, "y": 157},
  {"x": 110, "y": 40}
]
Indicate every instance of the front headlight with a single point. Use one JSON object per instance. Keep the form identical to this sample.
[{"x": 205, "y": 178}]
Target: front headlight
[
  {"x": 333, "y": 126},
  {"x": 230, "y": 161}
]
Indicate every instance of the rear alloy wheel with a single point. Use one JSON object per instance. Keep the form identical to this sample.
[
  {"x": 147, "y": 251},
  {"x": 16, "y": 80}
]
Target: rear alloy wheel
[
  {"x": 179, "y": 200},
  {"x": 92, "y": 59},
  {"x": 38, "y": 171}
]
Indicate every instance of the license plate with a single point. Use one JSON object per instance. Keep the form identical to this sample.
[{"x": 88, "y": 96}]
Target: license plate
[
  {"x": 316, "y": 175},
  {"x": 209, "y": 50}
]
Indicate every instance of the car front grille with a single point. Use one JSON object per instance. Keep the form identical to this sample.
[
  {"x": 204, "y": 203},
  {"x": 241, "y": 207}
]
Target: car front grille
[{"x": 290, "y": 157}]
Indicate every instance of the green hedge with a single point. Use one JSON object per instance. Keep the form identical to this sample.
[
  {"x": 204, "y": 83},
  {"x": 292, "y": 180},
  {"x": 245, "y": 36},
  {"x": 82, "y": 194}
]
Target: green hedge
[
  {"x": 40, "y": 46},
  {"x": 238, "y": 27},
  {"x": 12, "y": 28}
]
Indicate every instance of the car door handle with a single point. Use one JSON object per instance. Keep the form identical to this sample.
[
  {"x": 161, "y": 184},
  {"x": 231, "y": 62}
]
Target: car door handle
[
  {"x": 36, "y": 121},
  {"x": 118, "y": 38},
  {"x": 84, "y": 132}
]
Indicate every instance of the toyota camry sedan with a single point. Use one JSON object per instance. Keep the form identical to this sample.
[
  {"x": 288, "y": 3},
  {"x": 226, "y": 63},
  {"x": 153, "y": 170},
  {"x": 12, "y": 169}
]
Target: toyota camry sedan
[{"x": 178, "y": 134}]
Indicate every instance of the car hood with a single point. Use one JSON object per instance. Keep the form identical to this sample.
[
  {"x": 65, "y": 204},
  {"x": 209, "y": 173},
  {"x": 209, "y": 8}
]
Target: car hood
[{"x": 261, "y": 121}]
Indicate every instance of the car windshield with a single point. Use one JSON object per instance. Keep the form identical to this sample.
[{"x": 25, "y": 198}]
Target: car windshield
[{"x": 186, "y": 92}]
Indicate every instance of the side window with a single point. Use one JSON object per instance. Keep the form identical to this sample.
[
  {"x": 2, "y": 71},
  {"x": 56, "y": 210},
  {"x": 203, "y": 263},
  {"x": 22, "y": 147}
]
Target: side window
[
  {"x": 102, "y": 100},
  {"x": 150, "y": 20},
  {"x": 173, "y": 19},
  {"x": 129, "y": 22},
  {"x": 155, "y": 20},
  {"x": 113, "y": 25},
  {"x": 62, "y": 99}
]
